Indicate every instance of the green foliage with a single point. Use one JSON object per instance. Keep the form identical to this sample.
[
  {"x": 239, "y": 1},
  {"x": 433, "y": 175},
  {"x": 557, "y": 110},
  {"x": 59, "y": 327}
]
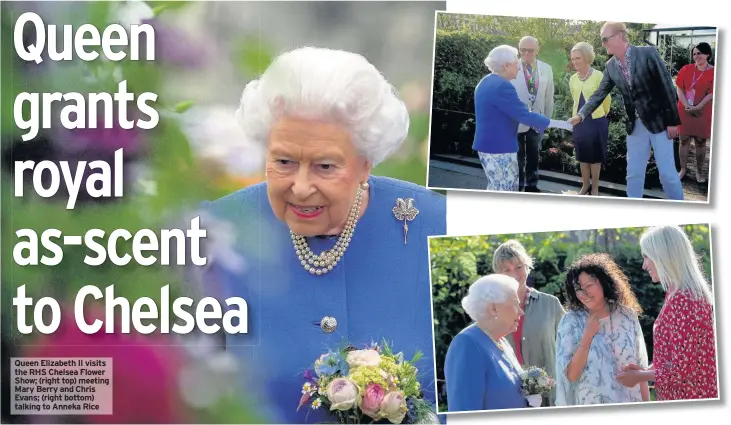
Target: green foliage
[
  {"x": 169, "y": 165},
  {"x": 183, "y": 106},
  {"x": 456, "y": 262},
  {"x": 458, "y": 67},
  {"x": 254, "y": 56},
  {"x": 160, "y": 6}
]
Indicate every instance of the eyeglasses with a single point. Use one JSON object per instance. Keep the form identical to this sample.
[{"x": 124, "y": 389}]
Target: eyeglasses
[
  {"x": 525, "y": 50},
  {"x": 606, "y": 39}
]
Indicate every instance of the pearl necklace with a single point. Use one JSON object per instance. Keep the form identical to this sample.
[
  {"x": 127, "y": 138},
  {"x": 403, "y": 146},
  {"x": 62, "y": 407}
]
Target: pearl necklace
[
  {"x": 498, "y": 343},
  {"x": 328, "y": 259},
  {"x": 586, "y": 76}
]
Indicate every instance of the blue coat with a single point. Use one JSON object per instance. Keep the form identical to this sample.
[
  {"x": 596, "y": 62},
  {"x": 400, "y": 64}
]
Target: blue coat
[
  {"x": 479, "y": 376},
  {"x": 380, "y": 289},
  {"x": 498, "y": 111}
]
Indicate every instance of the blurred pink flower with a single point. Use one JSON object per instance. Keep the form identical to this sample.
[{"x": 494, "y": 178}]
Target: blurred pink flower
[{"x": 145, "y": 368}]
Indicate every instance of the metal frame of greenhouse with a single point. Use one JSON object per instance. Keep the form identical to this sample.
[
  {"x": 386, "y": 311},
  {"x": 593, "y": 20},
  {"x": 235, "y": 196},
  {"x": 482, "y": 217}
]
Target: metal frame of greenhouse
[{"x": 693, "y": 34}]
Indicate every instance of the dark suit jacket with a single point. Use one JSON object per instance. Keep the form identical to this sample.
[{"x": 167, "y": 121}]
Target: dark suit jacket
[{"x": 653, "y": 94}]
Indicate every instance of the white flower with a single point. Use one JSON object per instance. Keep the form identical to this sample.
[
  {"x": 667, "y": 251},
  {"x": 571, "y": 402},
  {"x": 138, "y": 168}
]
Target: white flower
[
  {"x": 133, "y": 13},
  {"x": 219, "y": 245},
  {"x": 215, "y": 135},
  {"x": 316, "y": 404},
  {"x": 308, "y": 388},
  {"x": 363, "y": 358},
  {"x": 342, "y": 393},
  {"x": 394, "y": 380}
]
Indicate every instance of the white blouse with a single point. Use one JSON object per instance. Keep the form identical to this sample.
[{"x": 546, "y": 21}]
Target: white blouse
[{"x": 618, "y": 342}]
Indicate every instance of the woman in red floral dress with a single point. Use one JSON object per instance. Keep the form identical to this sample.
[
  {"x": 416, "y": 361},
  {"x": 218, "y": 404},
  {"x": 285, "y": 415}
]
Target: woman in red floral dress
[
  {"x": 684, "y": 360},
  {"x": 695, "y": 106}
]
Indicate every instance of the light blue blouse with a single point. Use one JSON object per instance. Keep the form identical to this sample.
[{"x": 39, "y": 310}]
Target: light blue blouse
[
  {"x": 379, "y": 290},
  {"x": 479, "y": 376},
  {"x": 618, "y": 342}
]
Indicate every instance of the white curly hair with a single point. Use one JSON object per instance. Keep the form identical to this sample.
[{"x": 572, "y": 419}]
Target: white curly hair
[
  {"x": 493, "y": 288},
  {"x": 501, "y": 56},
  {"x": 328, "y": 85}
]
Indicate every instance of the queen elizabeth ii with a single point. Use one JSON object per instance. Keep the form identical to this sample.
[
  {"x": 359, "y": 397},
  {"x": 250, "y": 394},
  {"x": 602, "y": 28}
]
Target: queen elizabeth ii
[{"x": 333, "y": 253}]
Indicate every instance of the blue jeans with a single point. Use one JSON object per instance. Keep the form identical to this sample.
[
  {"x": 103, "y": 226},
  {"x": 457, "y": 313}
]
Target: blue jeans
[{"x": 638, "y": 153}]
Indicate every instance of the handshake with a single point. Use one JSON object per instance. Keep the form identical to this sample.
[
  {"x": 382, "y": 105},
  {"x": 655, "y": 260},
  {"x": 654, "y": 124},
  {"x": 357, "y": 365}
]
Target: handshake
[{"x": 564, "y": 125}]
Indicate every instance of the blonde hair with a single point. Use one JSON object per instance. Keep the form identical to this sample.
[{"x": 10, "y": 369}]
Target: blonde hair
[
  {"x": 675, "y": 260},
  {"x": 617, "y": 27},
  {"x": 586, "y": 49},
  {"x": 510, "y": 251}
]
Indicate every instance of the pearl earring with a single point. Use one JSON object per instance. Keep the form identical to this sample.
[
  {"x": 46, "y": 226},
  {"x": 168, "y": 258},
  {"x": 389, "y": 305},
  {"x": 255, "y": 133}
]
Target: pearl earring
[{"x": 364, "y": 185}]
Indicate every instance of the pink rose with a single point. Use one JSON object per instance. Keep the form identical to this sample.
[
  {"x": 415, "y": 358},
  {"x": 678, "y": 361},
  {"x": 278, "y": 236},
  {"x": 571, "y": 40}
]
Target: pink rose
[
  {"x": 372, "y": 400},
  {"x": 393, "y": 407},
  {"x": 342, "y": 394},
  {"x": 363, "y": 358}
]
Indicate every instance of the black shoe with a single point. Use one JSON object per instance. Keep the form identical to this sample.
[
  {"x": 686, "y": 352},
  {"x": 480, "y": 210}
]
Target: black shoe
[{"x": 532, "y": 189}]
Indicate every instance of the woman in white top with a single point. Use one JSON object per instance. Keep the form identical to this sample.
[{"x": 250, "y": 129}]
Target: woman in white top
[{"x": 598, "y": 335}]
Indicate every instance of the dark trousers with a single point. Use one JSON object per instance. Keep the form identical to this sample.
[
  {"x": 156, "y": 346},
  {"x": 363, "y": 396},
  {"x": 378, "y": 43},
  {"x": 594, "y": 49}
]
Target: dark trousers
[{"x": 529, "y": 152}]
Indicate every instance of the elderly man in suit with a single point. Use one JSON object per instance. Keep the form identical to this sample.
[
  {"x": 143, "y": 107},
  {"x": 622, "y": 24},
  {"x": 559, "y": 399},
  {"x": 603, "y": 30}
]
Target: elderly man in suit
[
  {"x": 650, "y": 100},
  {"x": 534, "y": 85}
]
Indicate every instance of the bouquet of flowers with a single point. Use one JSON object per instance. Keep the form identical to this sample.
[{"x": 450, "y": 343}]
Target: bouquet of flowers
[
  {"x": 367, "y": 385},
  {"x": 535, "y": 384}
]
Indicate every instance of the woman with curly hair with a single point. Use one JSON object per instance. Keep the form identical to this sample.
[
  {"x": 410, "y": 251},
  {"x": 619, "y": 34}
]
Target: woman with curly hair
[{"x": 598, "y": 335}]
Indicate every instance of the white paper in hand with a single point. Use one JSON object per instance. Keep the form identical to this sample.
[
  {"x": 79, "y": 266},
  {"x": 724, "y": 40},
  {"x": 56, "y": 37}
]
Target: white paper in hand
[{"x": 563, "y": 125}]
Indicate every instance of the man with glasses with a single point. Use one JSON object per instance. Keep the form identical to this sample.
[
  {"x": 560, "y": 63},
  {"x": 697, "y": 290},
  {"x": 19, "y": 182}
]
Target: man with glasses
[
  {"x": 650, "y": 99},
  {"x": 534, "y": 85}
]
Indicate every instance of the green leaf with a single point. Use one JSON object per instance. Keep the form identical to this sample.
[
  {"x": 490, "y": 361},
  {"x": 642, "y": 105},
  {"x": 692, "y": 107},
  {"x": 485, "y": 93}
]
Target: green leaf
[
  {"x": 157, "y": 10},
  {"x": 253, "y": 56},
  {"x": 159, "y": 6},
  {"x": 183, "y": 106}
]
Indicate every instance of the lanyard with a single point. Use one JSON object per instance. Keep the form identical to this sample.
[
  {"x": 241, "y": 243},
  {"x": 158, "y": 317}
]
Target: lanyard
[
  {"x": 690, "y": 93},
  {"x": 531, "y": 80},
  {"x": 696, "y": 79}
]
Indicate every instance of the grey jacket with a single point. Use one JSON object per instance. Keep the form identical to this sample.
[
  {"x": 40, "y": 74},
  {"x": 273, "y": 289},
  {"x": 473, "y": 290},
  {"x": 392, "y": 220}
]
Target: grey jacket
[
  {"x": 653, "y": 96},
  {"x": 543, "y": 313},
  {"x": 544, "y": 98}
]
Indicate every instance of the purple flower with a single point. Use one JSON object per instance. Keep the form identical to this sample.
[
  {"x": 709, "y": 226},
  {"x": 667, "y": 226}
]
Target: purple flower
[
  {"x": 103, "y": 140},
  {"x": 174, "y": 48}
]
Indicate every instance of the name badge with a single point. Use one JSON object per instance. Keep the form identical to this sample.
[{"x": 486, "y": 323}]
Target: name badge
[{"x": 690, "y": 96}]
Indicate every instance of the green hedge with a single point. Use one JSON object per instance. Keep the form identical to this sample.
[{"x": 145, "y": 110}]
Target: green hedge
[
  {"x": 458, "y": 66},
  {"x": 456, "y": 262}
]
